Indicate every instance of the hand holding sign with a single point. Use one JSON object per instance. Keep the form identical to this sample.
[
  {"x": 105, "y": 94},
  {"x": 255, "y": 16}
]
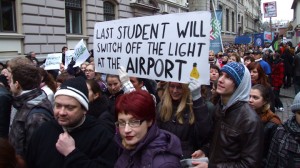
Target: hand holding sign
[{"x": 123, "y": 75}]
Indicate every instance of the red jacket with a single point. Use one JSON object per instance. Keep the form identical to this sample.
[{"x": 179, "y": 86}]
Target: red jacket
[{"x": 277, "y": 73}]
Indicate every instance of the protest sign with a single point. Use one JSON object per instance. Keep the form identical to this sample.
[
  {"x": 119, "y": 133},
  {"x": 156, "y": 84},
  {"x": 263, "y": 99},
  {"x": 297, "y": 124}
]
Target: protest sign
[
  {"x": 68, "y": 57},
  {"x": 270, "y": 9},
  {"x": 161, "y": 47},
  {"x": 53, "y": 61},
  {"x": 79, "y": 54}
]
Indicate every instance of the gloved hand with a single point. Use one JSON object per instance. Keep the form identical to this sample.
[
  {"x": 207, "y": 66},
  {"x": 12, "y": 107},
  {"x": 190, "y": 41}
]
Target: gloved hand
[
  {"x": 124, "y": 78},
  {"x": 195, "y": 88}
]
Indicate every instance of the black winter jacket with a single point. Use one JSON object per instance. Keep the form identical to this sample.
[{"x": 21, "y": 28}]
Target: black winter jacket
[
  {"x": 238, "y": 137},
  {"x": 5, "y": 110},
  {"x": 93, "y": 141}
]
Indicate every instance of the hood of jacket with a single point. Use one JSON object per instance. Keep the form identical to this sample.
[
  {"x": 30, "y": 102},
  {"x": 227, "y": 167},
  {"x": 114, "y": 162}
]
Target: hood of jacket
[{"x": 242, "y": 91}]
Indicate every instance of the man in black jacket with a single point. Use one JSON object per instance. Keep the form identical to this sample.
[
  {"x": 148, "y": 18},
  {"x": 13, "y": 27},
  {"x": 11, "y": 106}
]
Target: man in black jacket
[
  {"x": 237, "y": 139},
  {"x": 74, "y": 139}
]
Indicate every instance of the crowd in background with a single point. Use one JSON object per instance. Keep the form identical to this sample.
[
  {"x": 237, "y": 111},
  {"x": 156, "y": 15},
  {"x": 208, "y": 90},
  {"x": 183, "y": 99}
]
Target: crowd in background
[{"x": 77, "y": 117}]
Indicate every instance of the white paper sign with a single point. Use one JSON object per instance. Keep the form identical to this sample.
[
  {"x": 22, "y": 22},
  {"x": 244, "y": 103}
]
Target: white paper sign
[
  {"x": 161, "y": 47},
  {"x": 53, "y": 61},
  {"x": 68, "y": 57},
  {"x": 79, "y": 54}
]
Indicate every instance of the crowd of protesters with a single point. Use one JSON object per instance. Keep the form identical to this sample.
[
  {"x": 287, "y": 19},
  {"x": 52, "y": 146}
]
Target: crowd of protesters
[{"x": 77, "y": 117}]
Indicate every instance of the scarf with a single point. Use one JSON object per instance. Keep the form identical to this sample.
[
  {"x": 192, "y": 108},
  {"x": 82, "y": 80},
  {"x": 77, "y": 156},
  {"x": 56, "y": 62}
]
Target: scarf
[
  {"x": 269, "y": 116},
  {"x": 293, "y": 128}
]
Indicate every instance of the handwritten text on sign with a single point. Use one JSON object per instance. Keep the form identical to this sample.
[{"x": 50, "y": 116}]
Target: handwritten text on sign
[
  {"x": 160, "y": 47},
  {"x": 53, "y": 61}
]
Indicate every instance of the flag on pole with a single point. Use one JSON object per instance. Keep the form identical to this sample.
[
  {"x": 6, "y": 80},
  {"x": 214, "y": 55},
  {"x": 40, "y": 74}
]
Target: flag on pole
[
  {"x": 215, "y": 32},
  {"x": 275, "y": 43}
]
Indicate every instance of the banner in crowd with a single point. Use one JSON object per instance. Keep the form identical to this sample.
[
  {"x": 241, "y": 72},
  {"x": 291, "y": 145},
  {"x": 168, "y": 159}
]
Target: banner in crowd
[
  {"x": 259, "y": 39},
  {"x": 79, "y": 54},
  {"x": 161, "y": 47},
  {"x": 215, "y": 33},
  {"x": 270, "y": 9},
  {"x": 245, "y": 39},
  {"x": 268, "y": 37},
  {"x": 53, "y": 61}
]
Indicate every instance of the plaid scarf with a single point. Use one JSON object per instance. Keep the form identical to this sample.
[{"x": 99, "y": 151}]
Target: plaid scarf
[{"x": 293, "y": 128}]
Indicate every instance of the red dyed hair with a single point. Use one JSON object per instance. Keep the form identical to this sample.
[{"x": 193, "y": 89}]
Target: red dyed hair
[{"x": 139, "y": 104}]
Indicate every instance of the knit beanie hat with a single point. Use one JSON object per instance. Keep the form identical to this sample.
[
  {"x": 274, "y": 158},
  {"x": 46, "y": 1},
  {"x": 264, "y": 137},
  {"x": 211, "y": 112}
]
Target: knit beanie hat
[
  {"x": 77, "y": 89},
  {"x": 235, "y": 71},
  {"x": 296, "y": 104}
]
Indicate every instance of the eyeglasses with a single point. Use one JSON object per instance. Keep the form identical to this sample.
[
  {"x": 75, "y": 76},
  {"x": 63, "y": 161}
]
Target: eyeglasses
[
  {"x": 88, "y": 70},
  {"x": 131, "y": 123},
  {"x": 211, "y": 55}
]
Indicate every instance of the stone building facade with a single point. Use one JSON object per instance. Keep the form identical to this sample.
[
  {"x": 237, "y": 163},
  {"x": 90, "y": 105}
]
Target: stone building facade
[
  {"x": 239, "y": 17},
  {"x": 45, "y": 26}
]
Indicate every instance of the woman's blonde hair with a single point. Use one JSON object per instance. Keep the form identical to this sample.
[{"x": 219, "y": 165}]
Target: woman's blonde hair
[{"x": 166, "y": 110}]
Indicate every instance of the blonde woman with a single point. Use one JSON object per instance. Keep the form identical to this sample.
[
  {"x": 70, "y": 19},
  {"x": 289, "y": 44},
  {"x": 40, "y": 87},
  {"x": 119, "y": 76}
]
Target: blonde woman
[{"x": 184, "y": 113}]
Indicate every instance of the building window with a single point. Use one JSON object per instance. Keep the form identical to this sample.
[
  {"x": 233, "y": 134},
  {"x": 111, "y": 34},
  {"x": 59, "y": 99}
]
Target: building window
[
  {"x": 239, "y": 18},
  {"x": 109, "y": 11},
  {"x": 73, "y": 16},
  {"x": 232, "y": 22},
  {"x": 227, "y": 19},
  {"x": 7, "y": 16}
]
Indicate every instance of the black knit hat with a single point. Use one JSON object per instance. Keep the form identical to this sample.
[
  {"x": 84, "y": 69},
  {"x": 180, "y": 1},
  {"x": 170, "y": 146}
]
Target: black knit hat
[{"x": 76, "y": 88}]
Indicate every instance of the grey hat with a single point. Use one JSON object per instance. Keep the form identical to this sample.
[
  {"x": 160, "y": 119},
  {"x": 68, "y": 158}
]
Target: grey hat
[{"x": 296, "y": 104}]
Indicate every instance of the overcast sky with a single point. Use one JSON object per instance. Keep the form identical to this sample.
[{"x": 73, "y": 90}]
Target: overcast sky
[{"x": 284, "y": 11}]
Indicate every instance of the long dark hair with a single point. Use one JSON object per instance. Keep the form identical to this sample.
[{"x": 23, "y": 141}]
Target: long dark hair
[
  {"x": 262, "y": 77},
  {"x": 48, "y": 79}
]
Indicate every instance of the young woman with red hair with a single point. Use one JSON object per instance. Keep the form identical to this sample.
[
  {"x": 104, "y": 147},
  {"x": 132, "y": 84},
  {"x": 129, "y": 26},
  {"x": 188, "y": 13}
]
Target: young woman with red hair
[{"x": 141, "y": 142}]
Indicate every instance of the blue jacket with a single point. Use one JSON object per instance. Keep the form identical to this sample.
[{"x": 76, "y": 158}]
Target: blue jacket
[{"x": 158, "y": 149}]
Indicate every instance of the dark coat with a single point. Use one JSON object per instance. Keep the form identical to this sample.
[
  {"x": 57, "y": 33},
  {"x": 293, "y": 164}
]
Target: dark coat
[
  {"x": 98, "y": 106},
  {"x": 93, "y": 141},
  {"x": 5, "y": 110},
  {"x": 238, "y": 137},
  {"x": 33, "y": 109},
  {"x": 159, "y": 149},
  {"x": 192, "y": 136},
  {"x": 288, "y": 62},
  {"x": 284, "y": 150},
  {"x": 112, "y": 100}
]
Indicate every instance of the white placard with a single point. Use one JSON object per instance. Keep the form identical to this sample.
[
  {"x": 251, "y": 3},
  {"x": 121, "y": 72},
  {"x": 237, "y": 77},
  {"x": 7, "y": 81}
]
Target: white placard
[
  {"x": 68, "y": 57},
  {"x": 53, "y": 61},
  {"x": 79, "y": 54},
  {"x": 161, "y": 47}
]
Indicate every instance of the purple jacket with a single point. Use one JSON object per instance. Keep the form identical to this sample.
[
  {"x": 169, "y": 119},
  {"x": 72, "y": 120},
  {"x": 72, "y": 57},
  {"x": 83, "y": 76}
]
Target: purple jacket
[{"x": 158, "y": 149}]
